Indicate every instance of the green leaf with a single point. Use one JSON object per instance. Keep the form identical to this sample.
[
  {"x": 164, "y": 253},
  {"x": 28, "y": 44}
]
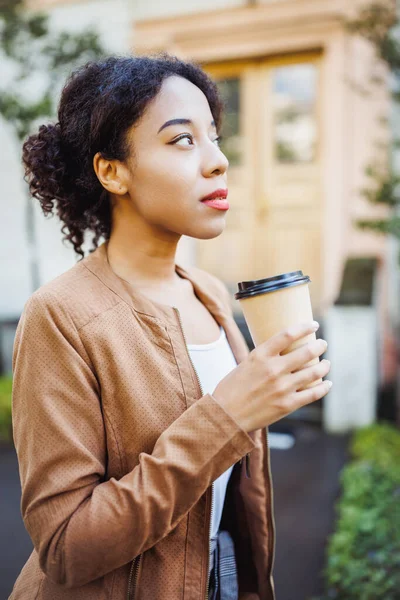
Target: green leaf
[
  {"x": 28, "y": 42},
  {"x": 363, "y": 553},
  {"x": 5, "y": 408}
]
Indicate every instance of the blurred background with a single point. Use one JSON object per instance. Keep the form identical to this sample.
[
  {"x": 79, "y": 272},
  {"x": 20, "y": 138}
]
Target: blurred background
[{"x": 311, "y": 130}]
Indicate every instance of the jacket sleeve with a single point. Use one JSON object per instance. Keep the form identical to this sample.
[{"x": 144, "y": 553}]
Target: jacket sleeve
[{"x": 82, "y": 525}]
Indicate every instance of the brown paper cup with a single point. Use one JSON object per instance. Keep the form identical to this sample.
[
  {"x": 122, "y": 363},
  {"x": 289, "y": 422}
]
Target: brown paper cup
[{"x": 275, "y": 303}]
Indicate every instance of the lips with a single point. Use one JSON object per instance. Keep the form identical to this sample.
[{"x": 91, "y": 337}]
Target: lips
[
  {"x": 220, "y": 194},
  {"x": 218, "y": 203}
]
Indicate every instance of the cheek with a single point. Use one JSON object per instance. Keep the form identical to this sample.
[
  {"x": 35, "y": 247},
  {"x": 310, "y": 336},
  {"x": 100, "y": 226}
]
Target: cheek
[{"x": 172, "y": 180}]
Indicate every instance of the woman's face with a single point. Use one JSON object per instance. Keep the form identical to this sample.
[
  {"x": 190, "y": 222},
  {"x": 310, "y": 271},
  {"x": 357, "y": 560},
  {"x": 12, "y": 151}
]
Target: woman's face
[{"x": 172, "y": 167}]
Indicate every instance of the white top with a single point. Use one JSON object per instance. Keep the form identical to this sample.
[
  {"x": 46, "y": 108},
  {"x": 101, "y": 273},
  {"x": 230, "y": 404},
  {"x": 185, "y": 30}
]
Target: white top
[{"x": 212, "y": 362}]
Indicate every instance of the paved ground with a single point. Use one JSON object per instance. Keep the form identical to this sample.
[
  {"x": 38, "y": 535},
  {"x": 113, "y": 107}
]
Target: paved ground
[
  {"x": 306, "y": 486},
  {"x": 305, "y": 489},
  {"x": 15, "y": 544}
]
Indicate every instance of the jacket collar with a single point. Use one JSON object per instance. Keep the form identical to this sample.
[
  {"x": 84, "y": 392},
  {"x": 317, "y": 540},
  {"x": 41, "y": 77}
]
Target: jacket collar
[{"x": 97, "y": 262}]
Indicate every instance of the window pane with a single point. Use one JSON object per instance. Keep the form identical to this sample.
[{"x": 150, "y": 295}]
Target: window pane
[
  {"x": 294, "y": 106},
  {"x": 232, "y": 143}
]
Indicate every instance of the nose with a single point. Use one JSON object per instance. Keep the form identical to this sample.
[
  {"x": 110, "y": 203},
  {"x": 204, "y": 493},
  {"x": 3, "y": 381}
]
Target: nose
[{"x": 214, "y": 160}]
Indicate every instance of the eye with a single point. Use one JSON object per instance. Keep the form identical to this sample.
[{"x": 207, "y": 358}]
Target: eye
[
  {"x": 218, "y": 140},
  {"x": 185, "y": 136}
]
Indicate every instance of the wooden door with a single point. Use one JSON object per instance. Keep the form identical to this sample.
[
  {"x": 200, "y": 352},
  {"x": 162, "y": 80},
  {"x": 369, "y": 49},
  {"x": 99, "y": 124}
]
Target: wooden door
[
  {"x": 230, "y": 255},
  {"x": 289, "y": 199},
  {"x": 272, "y": 139}
]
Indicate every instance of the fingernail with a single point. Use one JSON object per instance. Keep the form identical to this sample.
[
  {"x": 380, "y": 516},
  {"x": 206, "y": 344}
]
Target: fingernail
[
  {"x": 330, "y": 383},
  {"x": 315, "y": 325}
]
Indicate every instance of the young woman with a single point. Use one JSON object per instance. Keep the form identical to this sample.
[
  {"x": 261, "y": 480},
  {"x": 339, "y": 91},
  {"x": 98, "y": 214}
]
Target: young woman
[{"x": 135, "y": 397}]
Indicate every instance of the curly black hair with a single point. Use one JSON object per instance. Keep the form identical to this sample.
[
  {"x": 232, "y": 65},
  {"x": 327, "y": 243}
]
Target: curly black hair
[{"x": 100, "y": 101}]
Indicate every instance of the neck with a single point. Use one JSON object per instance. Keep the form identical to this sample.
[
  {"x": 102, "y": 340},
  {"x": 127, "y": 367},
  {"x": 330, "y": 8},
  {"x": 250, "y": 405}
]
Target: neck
[{"x": 143, "y": 256}]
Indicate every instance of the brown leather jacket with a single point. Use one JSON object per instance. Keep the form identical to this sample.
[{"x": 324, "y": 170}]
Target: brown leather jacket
[{"x": 118, "y": 446}]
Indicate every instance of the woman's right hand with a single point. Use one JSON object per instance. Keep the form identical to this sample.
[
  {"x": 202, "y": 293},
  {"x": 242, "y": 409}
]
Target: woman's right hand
[{"x": 263, "y": 388}]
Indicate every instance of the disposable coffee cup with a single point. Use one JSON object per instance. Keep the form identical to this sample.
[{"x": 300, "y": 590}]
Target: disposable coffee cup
[{"x": 275, "y": 303}]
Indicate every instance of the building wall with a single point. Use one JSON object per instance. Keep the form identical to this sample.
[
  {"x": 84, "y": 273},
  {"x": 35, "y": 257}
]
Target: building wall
[
  {"x": 368, "y": 103},
  {"x": 347, "y": 143},
  {"x": 14, "y": 258},
  {"x": 112, "y": 19},
  {"x": 393, "y": 289},
  {"x": 349, "y": 119},
  {"x": 159, "y": 8}
]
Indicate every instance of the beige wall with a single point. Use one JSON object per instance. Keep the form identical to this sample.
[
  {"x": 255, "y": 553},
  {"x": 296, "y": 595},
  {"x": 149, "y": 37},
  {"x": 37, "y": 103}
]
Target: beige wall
[
  {"x": 145, "y": 9},
  {"x": 348, "y": 120},
  {"x": 364, "y": 131},
  {"x": 241, "y": 33},
  {"x": 350, "y": 127},
  {"x": 223, "y": 30},
  {"x": 161, "y": 8},
  {"x": 365, "y": 104},
  {"x": 112, "y": 20}
]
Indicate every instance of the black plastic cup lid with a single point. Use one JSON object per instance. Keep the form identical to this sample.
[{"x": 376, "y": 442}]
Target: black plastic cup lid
[{"x": 270, "y": 284}]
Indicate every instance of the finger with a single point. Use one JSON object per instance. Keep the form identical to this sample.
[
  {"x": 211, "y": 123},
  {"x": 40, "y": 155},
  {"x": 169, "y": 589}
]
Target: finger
[
  {"x": 282, "y": 340},
  {"x": 310, "y": 374},
  {"x": 310, "y": 395},
  {"x": 295, "y": 360}
]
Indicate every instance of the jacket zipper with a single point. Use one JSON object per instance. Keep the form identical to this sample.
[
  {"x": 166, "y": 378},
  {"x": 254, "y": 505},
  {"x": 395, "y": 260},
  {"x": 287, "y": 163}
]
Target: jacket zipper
[
  {"x": 134, "y": 571},
  {"x": 273, "y": 528},
  {"x": 209, "y": 536},
  {"x": 212, "y": 486}
]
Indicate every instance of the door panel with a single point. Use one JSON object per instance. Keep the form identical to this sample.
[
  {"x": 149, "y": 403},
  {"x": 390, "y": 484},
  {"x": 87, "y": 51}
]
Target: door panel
[
  {"x": 229, "y": 255},
  {"x": 272, "y": 138}
]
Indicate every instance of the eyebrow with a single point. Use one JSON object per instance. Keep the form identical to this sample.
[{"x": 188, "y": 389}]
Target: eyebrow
[{"x": 179, "y": 122}]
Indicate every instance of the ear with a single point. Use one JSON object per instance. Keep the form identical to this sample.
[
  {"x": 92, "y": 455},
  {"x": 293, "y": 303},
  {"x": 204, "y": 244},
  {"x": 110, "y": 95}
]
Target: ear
[{"x": 112, "y": 174}]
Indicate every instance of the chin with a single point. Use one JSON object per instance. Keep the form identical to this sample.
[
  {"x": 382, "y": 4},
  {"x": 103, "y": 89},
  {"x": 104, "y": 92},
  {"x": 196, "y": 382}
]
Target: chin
[{"x": 210, "y": 232}]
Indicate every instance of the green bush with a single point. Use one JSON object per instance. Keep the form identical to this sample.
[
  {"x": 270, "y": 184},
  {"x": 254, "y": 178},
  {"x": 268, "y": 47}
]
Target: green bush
[
  {"x": 363, "y": 554},
  {"x": 379, "y": 443},
  {"x": 5, "y": 408}
]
